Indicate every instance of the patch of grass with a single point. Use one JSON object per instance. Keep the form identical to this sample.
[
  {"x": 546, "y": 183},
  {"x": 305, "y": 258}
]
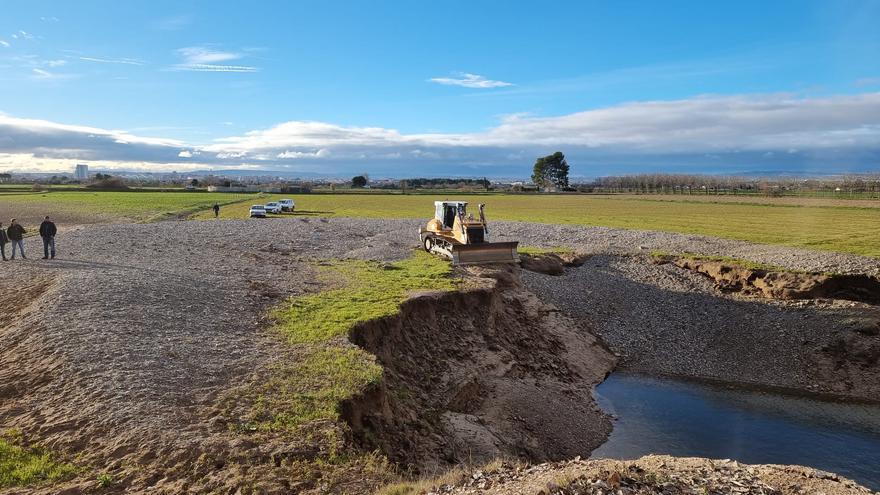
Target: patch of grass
[
  {"x": 21, "y": 466},
  {"x": 818, "y": 225},
  {"x": 104, "y": 480},
  {"x": 311, "y": 389},
  {"x": 371, "y": 290},
  {"x": 327, "y": 368}
]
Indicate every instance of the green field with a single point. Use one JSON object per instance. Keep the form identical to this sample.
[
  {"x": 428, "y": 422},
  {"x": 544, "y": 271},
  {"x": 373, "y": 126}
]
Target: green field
[
  {"x": 92, "y": 206},
  {"x": 830, "y": 227}
]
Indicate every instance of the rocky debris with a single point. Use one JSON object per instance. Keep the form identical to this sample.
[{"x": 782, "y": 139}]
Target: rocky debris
[
  {"x": 730, "y": 277},
  {"x": 661, "y": 475},
  {"x": 551, "y": 263},
  {"x": 668, "y": 321}
]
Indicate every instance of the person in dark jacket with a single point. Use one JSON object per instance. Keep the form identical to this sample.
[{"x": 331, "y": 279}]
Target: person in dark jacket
[
  {"x": 3, "y": 240},
  {"x": 16, "y": 232},
  {"x": 47, "y": 232}
]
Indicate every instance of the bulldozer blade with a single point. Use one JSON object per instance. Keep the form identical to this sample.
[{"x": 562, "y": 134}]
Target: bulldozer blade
[{"x": 485, "y": 252}]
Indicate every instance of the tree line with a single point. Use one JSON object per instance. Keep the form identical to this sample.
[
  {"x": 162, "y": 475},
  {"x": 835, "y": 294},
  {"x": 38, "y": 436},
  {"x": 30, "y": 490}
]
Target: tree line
[{"x": 716, "y": 184}]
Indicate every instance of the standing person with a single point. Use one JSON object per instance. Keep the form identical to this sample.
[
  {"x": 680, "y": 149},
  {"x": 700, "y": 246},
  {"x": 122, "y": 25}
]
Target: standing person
[
  {"x": 216, "y": 210},
  {"x": 47, "y": 232},
  {"x": 3, "y": 240},
  {"x": 16, "y": 232}
]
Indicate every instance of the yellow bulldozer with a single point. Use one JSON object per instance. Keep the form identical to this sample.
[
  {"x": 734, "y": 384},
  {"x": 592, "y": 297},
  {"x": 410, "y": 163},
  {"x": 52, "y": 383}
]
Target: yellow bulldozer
[{"x": 457, "y": 235}]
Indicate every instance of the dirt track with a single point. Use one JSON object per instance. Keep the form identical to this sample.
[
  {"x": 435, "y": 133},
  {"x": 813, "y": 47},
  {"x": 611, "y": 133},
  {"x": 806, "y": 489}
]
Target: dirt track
[{"x": 119, "y": 348}]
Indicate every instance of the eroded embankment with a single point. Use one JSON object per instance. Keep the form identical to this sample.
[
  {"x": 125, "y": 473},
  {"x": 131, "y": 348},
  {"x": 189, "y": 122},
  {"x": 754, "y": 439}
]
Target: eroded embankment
[
  {"x": 480, "y": 374},
  {"x": 781, "y": 284}
]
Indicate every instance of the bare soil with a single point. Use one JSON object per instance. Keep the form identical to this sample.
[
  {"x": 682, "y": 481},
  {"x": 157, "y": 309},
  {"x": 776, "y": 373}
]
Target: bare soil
[{"x": 491, "y": 372}]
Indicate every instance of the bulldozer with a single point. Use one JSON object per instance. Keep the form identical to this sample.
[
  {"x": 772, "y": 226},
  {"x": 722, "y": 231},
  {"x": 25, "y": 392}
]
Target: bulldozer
[{"x": 457, "y": 235}]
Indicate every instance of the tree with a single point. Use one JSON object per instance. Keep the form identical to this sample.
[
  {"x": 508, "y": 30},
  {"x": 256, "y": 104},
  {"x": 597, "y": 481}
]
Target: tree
[
  {"x": 551, "y": 171},
  {"x": 358, "y": 181},
  {"x": 194, "y": 182},
  {"x": 5, "y": 177}
]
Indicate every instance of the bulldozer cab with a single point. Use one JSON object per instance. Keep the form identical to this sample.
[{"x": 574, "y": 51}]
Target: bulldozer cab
[{"x": 447, "y": 211}]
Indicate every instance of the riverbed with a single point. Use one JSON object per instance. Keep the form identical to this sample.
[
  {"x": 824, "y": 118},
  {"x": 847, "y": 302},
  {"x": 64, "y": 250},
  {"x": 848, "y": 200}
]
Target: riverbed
[{"x": 692, "y": 419}]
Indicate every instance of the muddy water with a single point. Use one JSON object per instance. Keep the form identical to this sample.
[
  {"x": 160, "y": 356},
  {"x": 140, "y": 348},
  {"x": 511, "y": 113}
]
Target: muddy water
[{"x": 694, "y": 419}]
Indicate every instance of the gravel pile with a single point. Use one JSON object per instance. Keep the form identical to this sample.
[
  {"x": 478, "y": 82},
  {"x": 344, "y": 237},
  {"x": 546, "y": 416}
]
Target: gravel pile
[{"x": 658, "y": 475}]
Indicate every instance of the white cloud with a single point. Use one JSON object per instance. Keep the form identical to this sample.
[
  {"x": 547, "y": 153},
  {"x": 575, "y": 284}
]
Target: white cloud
[
  {"x": 214, "y": 68},
  {"x": 202, "y": 55},
  {"x": 49, "y": 19},
  {"x": 44, "y": 74},
  {"x": 321, "y": 153},
  {"x": 4, "y": 44},
  {"x": 726, "y": 127},
  {"x": 22, "y": 35},
  {"x": 470, "y": 81},
  {"x": 55, "y": 63},
  {"x": 125, "y": 61},
  {"x": 202, "y": 59}
]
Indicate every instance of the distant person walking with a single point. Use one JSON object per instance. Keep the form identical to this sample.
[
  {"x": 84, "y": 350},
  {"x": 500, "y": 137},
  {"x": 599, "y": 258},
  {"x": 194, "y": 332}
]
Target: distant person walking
[
  {"x": 16, "y": 232},
  {"x": 3, "y": 240},
  {"x": 47, "y": 232},
  {"x": 216, "y": 210}
]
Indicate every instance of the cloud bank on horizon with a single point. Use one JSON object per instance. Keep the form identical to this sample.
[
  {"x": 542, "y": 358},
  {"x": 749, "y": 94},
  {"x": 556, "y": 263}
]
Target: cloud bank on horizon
[{"x": 747, "y": 132}]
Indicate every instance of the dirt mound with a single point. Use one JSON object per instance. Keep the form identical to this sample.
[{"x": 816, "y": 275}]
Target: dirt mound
[
  {"x": 783, "y": 285},
  {"x": 480, "y": 374},
  {"x": 651, "y": 475},
  {"x": 551, "y": 263}
]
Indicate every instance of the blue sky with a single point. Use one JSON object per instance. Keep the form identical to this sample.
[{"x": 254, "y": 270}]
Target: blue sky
[{"x": 441, "y": 88}]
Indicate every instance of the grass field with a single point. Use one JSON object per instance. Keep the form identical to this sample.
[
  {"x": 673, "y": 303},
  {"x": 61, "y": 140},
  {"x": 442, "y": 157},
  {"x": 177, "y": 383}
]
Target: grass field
[
  {"x": 828, "y": 226},
  {"x": 91, "y": 206},
  {"x": 845, "y": 226}
]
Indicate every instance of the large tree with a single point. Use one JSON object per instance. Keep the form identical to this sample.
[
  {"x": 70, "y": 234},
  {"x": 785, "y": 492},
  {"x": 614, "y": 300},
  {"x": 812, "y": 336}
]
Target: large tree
[
  {"x": 358, "y": 181},
  {"x": 551, "y": 171}
]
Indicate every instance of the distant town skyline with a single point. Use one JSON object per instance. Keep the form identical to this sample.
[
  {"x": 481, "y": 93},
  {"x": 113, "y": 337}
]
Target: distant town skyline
[{"x": 402, "y": 89}]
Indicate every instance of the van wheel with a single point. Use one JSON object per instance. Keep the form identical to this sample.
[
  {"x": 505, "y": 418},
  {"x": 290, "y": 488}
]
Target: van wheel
[{"x": 429, "y": 243}]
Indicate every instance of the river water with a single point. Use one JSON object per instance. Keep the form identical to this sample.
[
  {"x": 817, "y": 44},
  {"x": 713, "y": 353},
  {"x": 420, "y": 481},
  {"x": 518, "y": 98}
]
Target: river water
[{"x": 690, "y": 419}]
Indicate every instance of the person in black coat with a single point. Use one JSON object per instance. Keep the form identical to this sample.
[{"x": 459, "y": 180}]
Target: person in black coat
[
  {"x": 3, "y": 240},
  {"x": 47, "y": 232},
  {"x": 16, "y": 233}
]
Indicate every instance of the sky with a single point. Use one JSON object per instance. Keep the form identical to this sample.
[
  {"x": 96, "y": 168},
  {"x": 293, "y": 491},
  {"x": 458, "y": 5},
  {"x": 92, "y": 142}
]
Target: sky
[{"x": 442, "y": 88}]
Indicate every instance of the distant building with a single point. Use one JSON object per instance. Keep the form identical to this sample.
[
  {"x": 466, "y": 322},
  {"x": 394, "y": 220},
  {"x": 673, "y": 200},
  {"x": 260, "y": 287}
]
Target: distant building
[{"x": 81, "y": 172}]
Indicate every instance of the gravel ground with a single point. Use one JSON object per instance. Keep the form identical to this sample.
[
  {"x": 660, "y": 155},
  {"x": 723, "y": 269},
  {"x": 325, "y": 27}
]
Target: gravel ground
[
  {"x": 666, "y": 320},
  {"x": 134, "y": 328},
  {"x": 610, "y": 240},
  {"x": 116, "y": 347}
]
